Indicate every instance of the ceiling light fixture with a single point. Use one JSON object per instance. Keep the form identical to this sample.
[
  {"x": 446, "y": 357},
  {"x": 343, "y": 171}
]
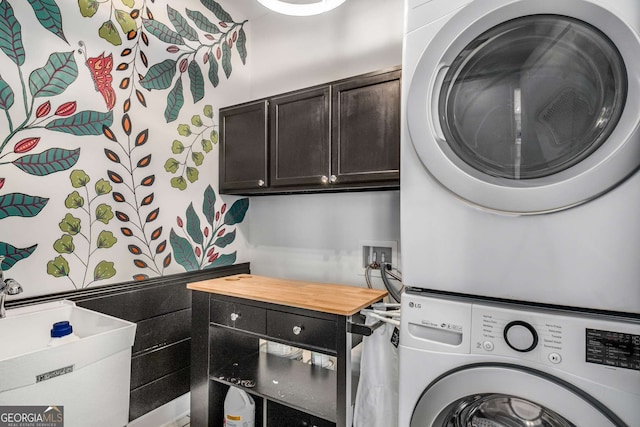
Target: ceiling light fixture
[{"x": 301, "y": 9}]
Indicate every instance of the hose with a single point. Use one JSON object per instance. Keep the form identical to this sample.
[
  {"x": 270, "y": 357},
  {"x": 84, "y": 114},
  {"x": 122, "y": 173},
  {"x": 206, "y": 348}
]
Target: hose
[
  {"x": 384, "y": 272},
  {"x": 393, "y": 291}
]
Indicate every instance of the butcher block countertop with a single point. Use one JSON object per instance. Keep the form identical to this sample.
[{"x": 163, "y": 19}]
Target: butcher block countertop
[{"x": 329, "y": 298}]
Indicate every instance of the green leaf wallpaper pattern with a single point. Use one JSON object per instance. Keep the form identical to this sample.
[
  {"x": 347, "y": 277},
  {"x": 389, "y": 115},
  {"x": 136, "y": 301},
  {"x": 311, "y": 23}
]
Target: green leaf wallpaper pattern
[
  {"x": 48, "y": 13},
  {"x": 200, "y": 246},
  {"x": 217, "y": 10},
  {"x": 175, "y": 101},
  {"x": 197, "y": 81},
  {"x": 79, "y": 231},
  {"x": 56, "y": 75},
  {"x": 13, "y": 254},
  {"x": 202, "y": 22},
  {"x": 195, "y": 38},
  {"x": 48, "y": 162},
  {"x": 18, "y": 204},
  {"x": 159, "y": 75},
  {"x": 82, "y": 123},
  {"x": 237, "y": 212},
  {"x": 10, "y": 34},
  {"x": 6, "y": 95},
  {"x": 181, "y": 25},
  {"x": 162, "y": 32}
]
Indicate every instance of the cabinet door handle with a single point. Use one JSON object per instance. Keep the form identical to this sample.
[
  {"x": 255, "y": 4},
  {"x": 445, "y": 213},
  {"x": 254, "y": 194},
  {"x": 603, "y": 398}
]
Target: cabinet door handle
[
  {"x": 333, "y": 179},
  {"x": 324, "y": 179},
  {"x": 260, "y": 183},
  {"x": 235, "y": 316},
  {"x": 297, "y": 330}
]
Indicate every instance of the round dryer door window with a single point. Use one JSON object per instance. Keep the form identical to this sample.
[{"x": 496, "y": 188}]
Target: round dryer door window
[
  {"x": 528, "y": 107},
  {"x": 532, "y": 97}
]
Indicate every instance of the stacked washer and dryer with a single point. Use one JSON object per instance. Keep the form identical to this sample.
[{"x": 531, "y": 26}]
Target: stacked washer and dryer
[{"x": 520, "y": 213}]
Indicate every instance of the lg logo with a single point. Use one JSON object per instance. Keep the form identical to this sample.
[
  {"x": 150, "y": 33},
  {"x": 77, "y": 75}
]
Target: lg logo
[{"x": 414, "y": 305}]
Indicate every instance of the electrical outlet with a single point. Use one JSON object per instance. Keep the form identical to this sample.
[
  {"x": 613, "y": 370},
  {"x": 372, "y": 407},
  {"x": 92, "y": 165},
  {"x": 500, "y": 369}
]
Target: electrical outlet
[{"x": 378, "y": 252}]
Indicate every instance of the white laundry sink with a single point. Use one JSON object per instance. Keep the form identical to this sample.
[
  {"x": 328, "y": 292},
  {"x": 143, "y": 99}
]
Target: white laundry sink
[{"x": 87, "y": 377}]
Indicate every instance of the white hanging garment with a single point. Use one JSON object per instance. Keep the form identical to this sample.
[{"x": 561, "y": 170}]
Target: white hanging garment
[{"x": 376, "y": 403}]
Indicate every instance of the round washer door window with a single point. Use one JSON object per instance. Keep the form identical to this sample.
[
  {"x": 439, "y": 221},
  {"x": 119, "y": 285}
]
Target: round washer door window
[
  {"x": 527, "y": 107},
  {"x": 501, "y": 395},
  {"x": 532, "y": 97}
]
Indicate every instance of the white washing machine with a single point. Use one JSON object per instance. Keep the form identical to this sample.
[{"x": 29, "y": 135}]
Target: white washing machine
[
  {"x": 466, "y": 362},
  {"x": 520, "y": 150}
]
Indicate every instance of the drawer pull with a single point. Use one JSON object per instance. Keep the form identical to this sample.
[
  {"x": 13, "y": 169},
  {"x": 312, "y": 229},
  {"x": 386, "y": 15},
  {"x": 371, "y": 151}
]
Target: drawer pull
[
  {"x": 297, "y": 330},
  {"x": 235, "y": 316}
]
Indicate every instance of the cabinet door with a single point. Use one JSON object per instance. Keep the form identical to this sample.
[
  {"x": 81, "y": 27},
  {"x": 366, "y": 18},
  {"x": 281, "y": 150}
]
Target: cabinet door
[
  {"x": 366, "y": 129},
  {"x": 300, "y": 138},
  {"x": 243, "y": 147}
]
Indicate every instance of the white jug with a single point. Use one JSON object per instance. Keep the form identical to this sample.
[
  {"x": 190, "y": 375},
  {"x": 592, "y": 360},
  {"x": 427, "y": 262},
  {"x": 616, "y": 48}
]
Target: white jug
[{"x": 239, "y": 409}]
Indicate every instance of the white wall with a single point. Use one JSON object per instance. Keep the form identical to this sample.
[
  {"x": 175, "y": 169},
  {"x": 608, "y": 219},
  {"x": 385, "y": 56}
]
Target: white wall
[{"x": 317, "y": 237}]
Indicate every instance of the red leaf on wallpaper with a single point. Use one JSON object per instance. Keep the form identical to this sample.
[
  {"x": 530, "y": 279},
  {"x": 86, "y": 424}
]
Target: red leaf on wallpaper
[
  {"x": 223, "y": 208},
  {"x": 66, "y": 109},
  {"x": 26, "y": 144},
  {"x": 221, "y": 232},
  {"x": 1, "y": 182},
  {"x": 235, "y": 36},
  {"x": 223, "y": 24},
  {"x": 218, "y": 53},
  {"x": 198, "y": 252},
  {"x": 183, "y": 65},
  {"x": 100, "y": 68},
  {"x": 173, "y": 49},
  {"x": 206, "y": 232},
  {"x": 179, "y": 221},
  {"x": 43, "y": 109},
  {"x": 210, "y": 37},
  {"x": 214, "y": 257}
]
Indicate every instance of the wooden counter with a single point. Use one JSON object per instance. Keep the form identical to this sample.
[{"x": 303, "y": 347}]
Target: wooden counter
[{"x": 328, "y": 298}]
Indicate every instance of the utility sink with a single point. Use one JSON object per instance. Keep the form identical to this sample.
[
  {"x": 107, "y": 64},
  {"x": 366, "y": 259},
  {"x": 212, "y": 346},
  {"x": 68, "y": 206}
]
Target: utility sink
[{"x": 87, "y": 377}]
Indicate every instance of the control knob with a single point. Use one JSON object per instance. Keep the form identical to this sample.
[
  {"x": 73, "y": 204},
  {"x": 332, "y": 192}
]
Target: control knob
[{"x": 520, "y": 336}]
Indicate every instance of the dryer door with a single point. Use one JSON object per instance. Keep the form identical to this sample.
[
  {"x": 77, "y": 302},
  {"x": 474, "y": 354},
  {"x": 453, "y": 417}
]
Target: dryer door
[
  {"x": 528, "y": 106},
  {"x": 500, "y": 395}
]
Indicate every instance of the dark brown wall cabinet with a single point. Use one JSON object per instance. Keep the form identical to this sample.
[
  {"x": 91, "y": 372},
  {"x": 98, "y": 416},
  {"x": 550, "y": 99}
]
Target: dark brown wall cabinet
[{"x": 343, "y": 135}]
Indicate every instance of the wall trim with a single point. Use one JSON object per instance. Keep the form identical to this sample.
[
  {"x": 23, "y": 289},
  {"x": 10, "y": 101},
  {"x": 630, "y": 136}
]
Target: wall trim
[{"x": 117, "y": 288}]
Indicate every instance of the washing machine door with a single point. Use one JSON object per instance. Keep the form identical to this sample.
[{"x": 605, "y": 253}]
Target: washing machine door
[
  {"x": 501, "y": 395},
  {"x": 529, "y": 106}
]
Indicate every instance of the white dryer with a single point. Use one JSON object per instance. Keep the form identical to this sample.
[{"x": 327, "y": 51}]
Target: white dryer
[
  {"x": 466, "y": 362},
  {"x": 520, "y": 150}
]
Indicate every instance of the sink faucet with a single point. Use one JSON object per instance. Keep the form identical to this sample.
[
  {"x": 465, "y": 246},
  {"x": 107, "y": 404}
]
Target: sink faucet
[{"x": 7, "y": 287}]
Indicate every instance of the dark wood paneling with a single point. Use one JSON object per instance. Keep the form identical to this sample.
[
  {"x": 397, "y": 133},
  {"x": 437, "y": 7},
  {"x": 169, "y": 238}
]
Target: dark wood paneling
[
  {"x": 162, "y": 330},
  {"x": 150, "y": 366},
  {"x": 155, "y": 394},
  {"x": 157, "y": 300}
]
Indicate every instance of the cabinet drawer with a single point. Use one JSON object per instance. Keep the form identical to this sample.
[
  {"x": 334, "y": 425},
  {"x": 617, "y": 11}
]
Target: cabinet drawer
[
  {"x": 302, "y": 329},
  {"x": 239, "y": 316}
]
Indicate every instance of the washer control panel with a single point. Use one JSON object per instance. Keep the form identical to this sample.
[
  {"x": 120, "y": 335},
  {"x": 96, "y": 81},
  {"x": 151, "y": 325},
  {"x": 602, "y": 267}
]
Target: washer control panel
[
  {"x": 615, "y": 349},
  {"x": 603, "y": 349},
  {"x": 522, "y": 334}
]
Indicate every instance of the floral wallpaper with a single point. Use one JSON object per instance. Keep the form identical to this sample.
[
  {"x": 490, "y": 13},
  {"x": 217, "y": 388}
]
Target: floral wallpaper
[{"x": 108, "y": 160}]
